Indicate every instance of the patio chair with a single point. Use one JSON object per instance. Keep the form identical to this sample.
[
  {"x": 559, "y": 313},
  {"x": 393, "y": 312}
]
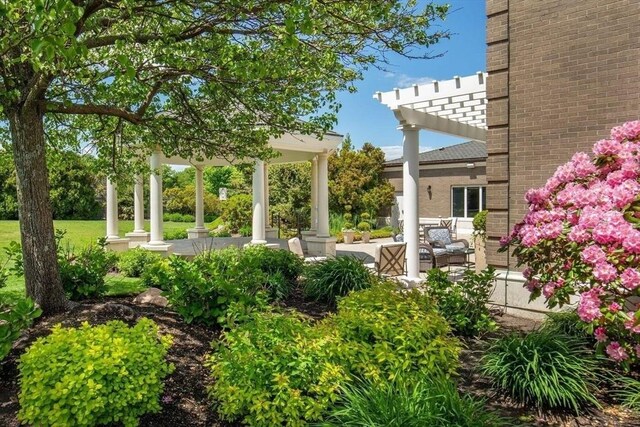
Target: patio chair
[
  {"x": 432, "y": 257},
  {"x": 440, "y": 238},
  {"x": 295, "y": 246},
  {"x": 390, "y": 259},
  {"x": 452, "y": 224}
]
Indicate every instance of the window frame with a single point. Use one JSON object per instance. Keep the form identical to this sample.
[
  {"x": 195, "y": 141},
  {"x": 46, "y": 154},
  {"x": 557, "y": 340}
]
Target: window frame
[{"x": 481, "y": 194}]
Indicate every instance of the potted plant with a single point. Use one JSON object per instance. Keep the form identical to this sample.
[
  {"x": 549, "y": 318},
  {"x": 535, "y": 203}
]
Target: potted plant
[
  {"x": 348, "y": 232},
  {"x": 365, "y": 228}
]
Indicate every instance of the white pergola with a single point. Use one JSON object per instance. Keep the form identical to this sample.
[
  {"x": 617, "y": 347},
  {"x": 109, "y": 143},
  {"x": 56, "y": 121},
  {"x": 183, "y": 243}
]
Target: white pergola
[
  {"x": 455, "y": 107},
  {"x": 292, "y": 148}
]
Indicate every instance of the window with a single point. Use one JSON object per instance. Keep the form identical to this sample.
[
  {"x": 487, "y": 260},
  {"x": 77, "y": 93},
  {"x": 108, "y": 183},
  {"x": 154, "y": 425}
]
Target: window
[{"x": 467, "y": 201}]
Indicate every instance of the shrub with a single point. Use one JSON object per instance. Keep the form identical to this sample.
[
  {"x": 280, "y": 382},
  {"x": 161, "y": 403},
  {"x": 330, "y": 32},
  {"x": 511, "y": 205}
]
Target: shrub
[
  {"x": 348, "y": 226},
  {"x": 464, "y": 302},
  {"x": 220, "y": 233},
  {"x": 274, "y": 369},
  {"x": 544, "y": 369},
  {"x": 335, "y": 277},
  {"x": 175, "y": 235},
  {"x": 133, "y": 262},
  {"x": 365, "y": 216},
  {"x": 93, "y": 375},
  {"x": 282, "y": 268},
  {"x": 15, "y": 316},
  {"x": 158, "y": 274},
  {"x": 566, "y": 322},
  {"x": 364, "y": 226},
  {"x": 410, "y": 402},
  {"x": 245, "y": 231},
  {"x": 386, "y": 332},
  {"x": 581, "y": 236},
  {"x": 347, "y": 216},
  {"x": 236, "y": 211},
  {"x": 178, "y": 217},
  {"x": 83, "y": 274}
]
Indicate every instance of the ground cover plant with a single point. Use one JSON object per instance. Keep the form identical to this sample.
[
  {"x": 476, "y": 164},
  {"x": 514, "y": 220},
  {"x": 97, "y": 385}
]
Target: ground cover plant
[
  {"x": 463, "y": 302},
  {"x": 545, "y": 369},
  {"x": 410, "y": 401},
  {"x": 581, "y": 236},
  {"x": 102, "y": 374},
  {"x": 335, "y": 277}
]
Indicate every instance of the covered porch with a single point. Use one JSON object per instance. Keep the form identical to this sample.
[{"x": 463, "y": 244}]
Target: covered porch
[{"x": 291, "y": 148}]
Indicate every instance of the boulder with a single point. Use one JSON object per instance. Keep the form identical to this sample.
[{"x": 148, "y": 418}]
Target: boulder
[{"x": 151, "y": 296}]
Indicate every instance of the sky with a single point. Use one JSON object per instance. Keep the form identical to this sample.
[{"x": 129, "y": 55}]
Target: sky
[{"x": 366, "y": 120}]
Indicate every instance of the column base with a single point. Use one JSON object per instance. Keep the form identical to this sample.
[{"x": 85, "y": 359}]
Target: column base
[
  {"x": 271, "y": 233},
  {"x": 308, "y": 233},
  {"x": 257, "y": 242},
  {"x": 137, "y": 238},
  {"x": 197, "y": 233},
  {"x": 164, "y": 249},
  {"x": 117, "y": 244},
  {"x": 321, "y": 246}
]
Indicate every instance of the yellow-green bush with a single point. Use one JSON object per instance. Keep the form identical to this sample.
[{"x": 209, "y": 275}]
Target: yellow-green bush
[
  {"x": 93, "y": 375},
  {"x": 385, "y": 332}
]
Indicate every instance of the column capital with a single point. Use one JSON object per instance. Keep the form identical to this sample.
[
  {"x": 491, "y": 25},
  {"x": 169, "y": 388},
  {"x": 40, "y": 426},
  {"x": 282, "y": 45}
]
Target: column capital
[
  {"x": 323, "y": 155},
  {"x": 407, "y": 127}
]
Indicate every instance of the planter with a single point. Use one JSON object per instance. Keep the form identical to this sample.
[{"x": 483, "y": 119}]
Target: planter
[
  {"x": 480, "y": 253},
  {"x": 366, "y": 235},
  {"x": 349, "y": 235}
]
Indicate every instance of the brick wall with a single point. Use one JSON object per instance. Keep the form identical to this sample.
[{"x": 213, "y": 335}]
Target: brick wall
[
  {"x": 561, "y": 74},
  {"x": 438, "y": 203}
]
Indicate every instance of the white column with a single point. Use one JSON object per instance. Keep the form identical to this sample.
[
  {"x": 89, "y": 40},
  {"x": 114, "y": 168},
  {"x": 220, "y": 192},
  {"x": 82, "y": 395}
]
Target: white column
[
  {"x": 314, "y": 194},
  {"x": 258, "y": 228},
  {"x": 323, "y": 195},
  {"x": 138, "y": 205},
  {"x": 112, "y": 211},
  {"x": 267, "y": 221},
  {"x": 410, "y": 181},
  {"x": 156, "y": 200},
  {"x": 199, "y": 199}
]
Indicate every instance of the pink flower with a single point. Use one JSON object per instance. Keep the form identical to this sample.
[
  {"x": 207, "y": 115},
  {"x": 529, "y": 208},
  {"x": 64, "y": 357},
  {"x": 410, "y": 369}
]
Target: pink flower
[
  {"x": 631, "y": 242},
  {"x": 605, "y": 272},
  {"x": 578, "y": 234},
  {"x": 632, "y": 324},
  {"x": 589, "y": 306},
  {"x": 549, "y": 289},
  {"x": 625, "y": 193},
  {"x": 630, "y": 278},
  {"x": 527, "y": 272},
  {"x": 600, "y": 334},
  {"x": 631, "y": 130},
  {"x": 551, "y": 230},
  {"x": 607, "y": 147},
  {"x": 614, "y": 307},
  {"x": 616, "y": 352},
  {"x": 593, "y": 255}
]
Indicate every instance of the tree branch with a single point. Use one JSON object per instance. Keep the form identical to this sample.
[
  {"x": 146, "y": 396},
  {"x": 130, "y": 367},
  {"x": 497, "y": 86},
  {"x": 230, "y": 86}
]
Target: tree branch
[{"x": 86, "y": 109}]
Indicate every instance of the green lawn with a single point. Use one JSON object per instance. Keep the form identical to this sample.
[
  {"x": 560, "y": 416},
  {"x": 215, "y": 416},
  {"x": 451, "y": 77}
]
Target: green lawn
[{"x": 79, "y": 234}]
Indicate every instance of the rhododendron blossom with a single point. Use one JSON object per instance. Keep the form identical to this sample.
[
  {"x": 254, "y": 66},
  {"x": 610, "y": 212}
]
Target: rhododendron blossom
[{"x": 581, "y": 237}]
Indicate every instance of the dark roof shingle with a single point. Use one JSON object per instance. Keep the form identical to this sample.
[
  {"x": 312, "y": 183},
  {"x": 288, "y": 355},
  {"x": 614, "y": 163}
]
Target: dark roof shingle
[{"x": 459, "y": 152}]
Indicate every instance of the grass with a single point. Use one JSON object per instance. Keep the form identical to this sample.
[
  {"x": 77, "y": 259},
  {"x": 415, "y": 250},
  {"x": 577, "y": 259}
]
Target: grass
[{"x": 79, "y": 234}]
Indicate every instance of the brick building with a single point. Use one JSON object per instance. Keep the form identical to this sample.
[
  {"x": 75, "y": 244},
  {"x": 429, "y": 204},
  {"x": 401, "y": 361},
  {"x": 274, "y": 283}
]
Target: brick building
[
  {"x": 452, "y": 183},
  {"x": 561, "y": 74}
]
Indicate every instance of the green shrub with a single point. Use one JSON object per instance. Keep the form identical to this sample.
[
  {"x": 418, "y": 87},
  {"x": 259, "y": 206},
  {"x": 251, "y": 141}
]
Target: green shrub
[
  {"x": 348, "y": 226},
  {"x": 544, "y": 369},
  {"x": 364, "y": 226},
  {"x": 245, "y": 231},
  {"x": 275, "y": 369},
  {"x": 82, "y": 274},
  {"x": 566, "y": 322},
  {"x": 410, "y": 402},
  {"x": 175, "y": 235},
  {"x": 133, "y": 262},
  {"x": 464, "y": 302},
  {"x": 282, "y": 267},
  {"x": 15, "y": 316},
  {"x": 386, "y": 332},
  {"x": 335, "y": 277},
  {"x": 628, "y": 392},
  {"x": 480, "y": 223},
  {"x": 347, "y": 216},
  {"x": 178, "y": 217},
  {"x": 365, "y": 216},
  {"x": 158, "y": 274},
  {"x": 220, "y": 233},
  {"x": 236, "y": 211},
  {"x": 93, "y": 375}
]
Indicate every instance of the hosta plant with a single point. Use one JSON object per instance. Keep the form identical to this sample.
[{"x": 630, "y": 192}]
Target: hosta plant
[{"x": 581, "y": 236}]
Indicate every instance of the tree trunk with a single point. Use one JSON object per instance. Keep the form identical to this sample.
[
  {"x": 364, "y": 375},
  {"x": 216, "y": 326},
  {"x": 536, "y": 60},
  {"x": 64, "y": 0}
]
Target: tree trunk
[{"x": 41, "y": 271}]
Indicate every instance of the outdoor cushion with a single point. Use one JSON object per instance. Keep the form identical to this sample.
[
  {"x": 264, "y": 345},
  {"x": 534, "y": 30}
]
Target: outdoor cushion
[
  {"x": 441, "y": 234},
  {"x": 455, "y": 246}
]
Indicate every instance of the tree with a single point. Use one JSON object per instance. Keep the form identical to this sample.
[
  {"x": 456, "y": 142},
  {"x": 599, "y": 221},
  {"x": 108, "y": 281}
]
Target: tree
[
  {"x": 229, "y": 177},
  {"x": 290, "y": 192},
  {"x": 200, "y": 79},
  {"x": 355, "y": 179}
]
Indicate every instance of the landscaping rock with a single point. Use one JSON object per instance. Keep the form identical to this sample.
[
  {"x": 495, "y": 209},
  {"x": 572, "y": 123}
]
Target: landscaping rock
[{"x": 151, "y": 296}]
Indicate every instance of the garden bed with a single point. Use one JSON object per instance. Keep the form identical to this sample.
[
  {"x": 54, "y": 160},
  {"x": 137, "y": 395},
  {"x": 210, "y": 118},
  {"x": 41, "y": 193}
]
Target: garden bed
[{"x": 185, "y": 402}]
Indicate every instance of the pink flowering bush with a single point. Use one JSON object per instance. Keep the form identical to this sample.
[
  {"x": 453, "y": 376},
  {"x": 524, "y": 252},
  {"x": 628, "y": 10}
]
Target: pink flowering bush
[{"x": 581, "y": 236}]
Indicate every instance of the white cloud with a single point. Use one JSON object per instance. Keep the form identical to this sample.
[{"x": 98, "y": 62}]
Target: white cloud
[
  {"x": 392, "y": 152},
  {"x": 404, "y": 80}
]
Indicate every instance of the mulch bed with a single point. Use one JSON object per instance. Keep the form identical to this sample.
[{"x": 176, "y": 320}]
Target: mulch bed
[{"x": 185, "y": 401}]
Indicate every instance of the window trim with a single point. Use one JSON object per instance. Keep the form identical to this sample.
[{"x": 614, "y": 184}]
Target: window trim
[{"x": 481, "y": 190}]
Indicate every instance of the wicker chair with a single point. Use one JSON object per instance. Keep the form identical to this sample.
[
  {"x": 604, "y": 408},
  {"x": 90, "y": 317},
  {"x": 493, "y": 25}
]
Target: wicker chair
[
  {"x": 432, "y": 257},
  {"x": 440, "y": 238}
]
